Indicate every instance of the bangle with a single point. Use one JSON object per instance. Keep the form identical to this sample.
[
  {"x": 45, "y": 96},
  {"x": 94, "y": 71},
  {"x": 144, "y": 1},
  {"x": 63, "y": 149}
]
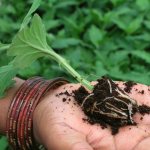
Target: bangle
[{"x": 19, "y": 126}]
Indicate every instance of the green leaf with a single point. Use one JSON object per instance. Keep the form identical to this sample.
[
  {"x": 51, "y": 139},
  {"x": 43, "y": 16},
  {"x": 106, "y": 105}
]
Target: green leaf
[
  {"x": 3, "y": 143},
  {"x": 100, "y": 70},
  {"x": 142, "y": 55},
  {"x": 62, "y": 4},
  {"x": 119, "y": 57},
  {"x": 132, "y": 76},
  {"x": 143, "y": 4},
  {"x": 29, "y": 44},
  {"x": 35, "y": 5},
  {"x": 97, "y": 15},
  {"x": 7, "y": 73},
  {"x": 120, "y": 23},
  {"x": 30, "y": 71},
  {"x": 147, "y": 23},
  {"x": 65, "y": 42},
  {"x": 4, "y": 46},
  {"x": 50, "y": 24},
  {"x": 116, "y": 2},
  {"x": 95, "y": 35},
  {"x": 134, "y": 25}
]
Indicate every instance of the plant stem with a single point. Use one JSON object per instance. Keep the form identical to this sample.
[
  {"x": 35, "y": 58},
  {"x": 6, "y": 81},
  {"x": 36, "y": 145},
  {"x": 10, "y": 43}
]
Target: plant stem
[{"x": 65, "y": 65}]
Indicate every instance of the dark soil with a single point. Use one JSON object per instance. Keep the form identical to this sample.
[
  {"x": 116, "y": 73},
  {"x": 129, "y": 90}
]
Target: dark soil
[
  {"x": 128, "y": 86},
  {"x": 142, "y": 92},
  {"x": 108, "y": 105},
  {"x": 144, "y": 109}
]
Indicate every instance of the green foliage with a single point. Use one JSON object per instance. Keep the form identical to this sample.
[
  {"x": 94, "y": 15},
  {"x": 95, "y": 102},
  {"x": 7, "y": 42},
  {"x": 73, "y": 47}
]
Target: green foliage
[
  {"x": 3, "y": 46},
  {"x": 7, "y": 73},
  {"x": 95, "y": 35},
  {"x": 105, "y": 37},
  {"x": 29, "y": 44},
  {"x": 35, "y": 5},
  {"x": 3, "y": 143}
]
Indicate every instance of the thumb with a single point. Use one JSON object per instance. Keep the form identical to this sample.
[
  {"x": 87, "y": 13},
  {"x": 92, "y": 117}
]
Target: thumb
[{"x": 63, "y": 137}]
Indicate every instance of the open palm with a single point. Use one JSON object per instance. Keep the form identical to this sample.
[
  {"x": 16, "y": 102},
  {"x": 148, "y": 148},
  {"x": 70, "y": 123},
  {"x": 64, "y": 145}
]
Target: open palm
[{"x": 59, "y": 124}]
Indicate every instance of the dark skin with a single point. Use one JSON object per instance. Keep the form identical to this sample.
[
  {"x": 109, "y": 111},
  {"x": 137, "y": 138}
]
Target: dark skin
[{"x": 60, "y": 126}]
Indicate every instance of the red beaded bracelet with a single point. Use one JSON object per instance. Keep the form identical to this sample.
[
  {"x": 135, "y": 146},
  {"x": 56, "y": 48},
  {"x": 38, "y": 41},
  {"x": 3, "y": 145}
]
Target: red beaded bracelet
[{"x": 19, "y": 128}]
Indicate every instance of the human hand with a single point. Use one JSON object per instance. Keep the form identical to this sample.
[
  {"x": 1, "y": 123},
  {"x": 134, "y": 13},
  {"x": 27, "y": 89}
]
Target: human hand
[{"x": 59, "y": 125}]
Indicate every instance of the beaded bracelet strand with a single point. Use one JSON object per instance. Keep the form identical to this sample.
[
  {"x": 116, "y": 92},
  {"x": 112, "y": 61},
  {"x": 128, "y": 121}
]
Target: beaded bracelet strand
[
  {"x": 28, "y": 120},
  {"x": 23, "y": 114},
  {"x": 50, "y": 84},
  {"x": 14, "y": 107}
]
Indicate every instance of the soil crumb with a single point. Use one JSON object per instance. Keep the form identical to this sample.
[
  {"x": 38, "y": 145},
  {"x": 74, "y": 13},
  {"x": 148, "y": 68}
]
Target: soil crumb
[
  {"x": 128, "y": 86},
  {"x": 141, "y": 118},
  {"x": 142, "y": 92},
  {"x": 64, "y": 99},
  {"x": 80, "y": 94},
  {"x": 144, "y": 109},
  {"x": 64, "y": 93},
  {"x": 108, "y": 105}
]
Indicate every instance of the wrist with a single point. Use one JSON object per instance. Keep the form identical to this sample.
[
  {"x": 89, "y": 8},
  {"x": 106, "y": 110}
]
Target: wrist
[
  {"x": 19, "y": 116},
  {"x": 5, "y": 103},
  {"x": 44, "y": 111},
  {"x": 38, "y": 117},
  {"x": 42, "y": 115}
]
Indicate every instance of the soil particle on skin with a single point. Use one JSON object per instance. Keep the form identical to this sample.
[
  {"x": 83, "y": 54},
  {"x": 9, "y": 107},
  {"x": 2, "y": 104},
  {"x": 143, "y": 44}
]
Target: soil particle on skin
[
  {"x": 108, "y": 105},
  {"x": 64, "y": 99},
  {"x": 141, "y": 118},
  {"x": 64, "y": 93},
  {"x": 144, "y": 109},
  {"x": 128, "y": 86},
  {"x": 57, "y": 95},
  {"x": 74, "y": 103},
  {"x": 114, "y": 130},
  {"x": 67, "y": 95},
  {"x": 84, "y": 119},
  {"x": 141, "y": 92}
]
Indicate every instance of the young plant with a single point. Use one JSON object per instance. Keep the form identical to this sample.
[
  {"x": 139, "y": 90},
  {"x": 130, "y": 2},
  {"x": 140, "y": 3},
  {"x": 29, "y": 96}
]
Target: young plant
[{"x": 30, "y": 44}]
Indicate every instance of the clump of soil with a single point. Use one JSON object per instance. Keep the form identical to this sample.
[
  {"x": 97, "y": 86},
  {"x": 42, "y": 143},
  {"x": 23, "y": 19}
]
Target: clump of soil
[
  {"x": 107, "y": 105},
  {"x": 128, "y": 86},
  {"x": 142, "y": 92},
  {"x": 144, "y": 109}
]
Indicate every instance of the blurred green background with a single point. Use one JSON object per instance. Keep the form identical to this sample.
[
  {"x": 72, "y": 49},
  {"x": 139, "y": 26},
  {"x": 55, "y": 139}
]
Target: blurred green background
[{"x": 97, "y": 37}]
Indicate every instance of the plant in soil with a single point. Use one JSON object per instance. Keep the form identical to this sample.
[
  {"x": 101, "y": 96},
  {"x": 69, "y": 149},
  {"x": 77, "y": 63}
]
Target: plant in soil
[{"x": 109, "y": 105}]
